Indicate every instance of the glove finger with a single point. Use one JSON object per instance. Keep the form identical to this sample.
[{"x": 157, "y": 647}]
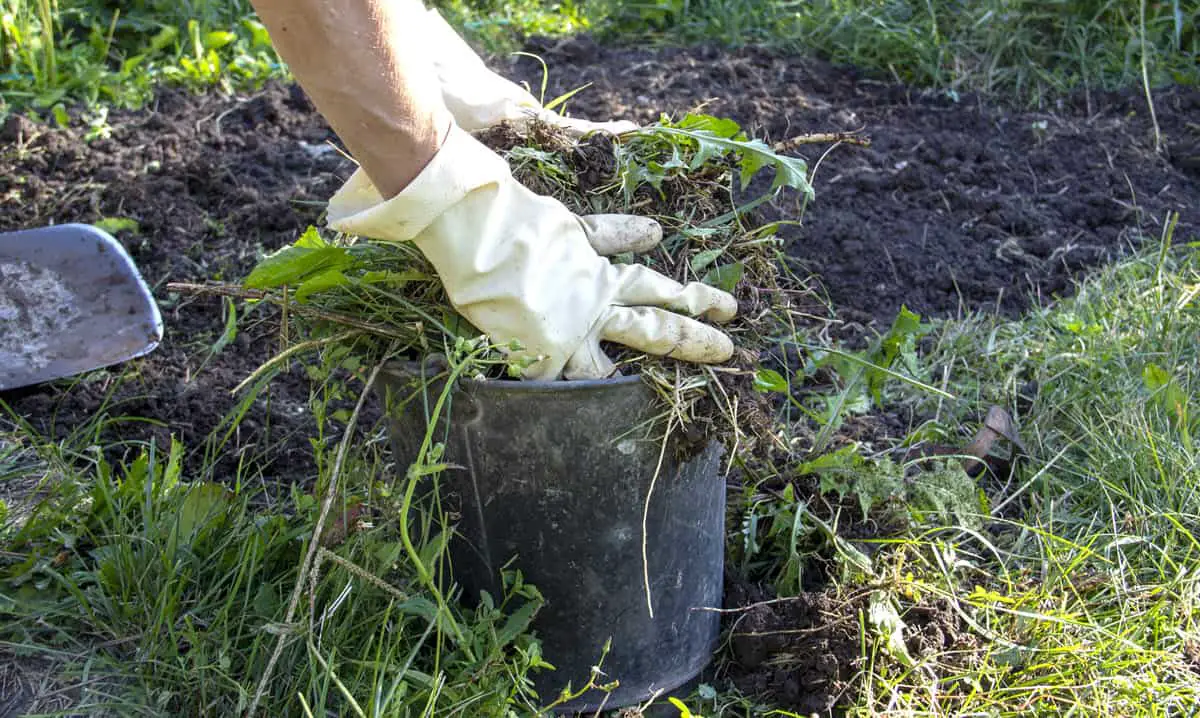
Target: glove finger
[
  {"x": 642, "y": 286},
  {"x": 589, "y": 362},
  {"x": 662, "y": 333},
  {"x": 578, "y": 128},
  {"x": 611, "y": 234}
]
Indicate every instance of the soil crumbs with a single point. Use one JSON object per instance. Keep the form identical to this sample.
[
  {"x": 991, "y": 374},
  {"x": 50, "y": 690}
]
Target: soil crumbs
[
  {"x": 805, "y": 651},
  {"x": 212, "y": 183},
  {"x": 958, "y": 205}
]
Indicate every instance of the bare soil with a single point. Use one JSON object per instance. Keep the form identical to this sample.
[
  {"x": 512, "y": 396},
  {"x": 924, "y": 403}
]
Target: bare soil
[
  {"x": 213, "y": 183},
  {"x": 959, "y": 205}
]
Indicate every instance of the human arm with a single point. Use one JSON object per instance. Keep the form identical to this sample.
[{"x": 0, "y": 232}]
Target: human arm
[
  {"x": 520, "y": 267},
  {"x": 359, "y": 64}
]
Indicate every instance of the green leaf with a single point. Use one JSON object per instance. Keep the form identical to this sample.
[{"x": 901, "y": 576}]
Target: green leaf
[
  {"x": 61, "y": 118},
  {"x": 883, "y": 616},
  {"x": 259, "y": 37},
  {"x": 723, "y": 127},
  {"x": 421, "y": 607},
  {"x": 432, "y": 550},
  {"x": 845, "y": 458},
  {"x": 769, "y": 380},
  {"x": 311, "y": 238},
  {"x": 394, "y": 278},
  {"x": 899, "y": 342},
  {"x": 174, "y": 470},
  {"x": 1168, "y": 394},
  {"x": 711, "y": 138},
  {"x": 750, "y": 165},
  {"x": 563, "y": 98},
  {"x": 684, "y": 711},
  {"x": 833, "y": 483},
  {"x": 203, "y": 505},
  {"x": 291, "y": 265},
  {"x": 517, "y": 623},
  {"x": 113, "y": 225},
  {"x": 725, "y": 276},
  {"x": 231, "y": 329},
  {"x": 162, "y": 39},
  {"x": 702, "y": 259},
  {"x": 217, "y": 39},
  {"x": 1155, "y": 377},
  {"x": 906, "y": 323},
  {"x": 329, "y": 279}
]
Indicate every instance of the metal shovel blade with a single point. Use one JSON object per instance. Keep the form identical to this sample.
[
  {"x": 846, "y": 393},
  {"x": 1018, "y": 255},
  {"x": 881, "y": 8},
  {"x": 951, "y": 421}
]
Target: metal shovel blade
[{"x": 71, "y": 300}]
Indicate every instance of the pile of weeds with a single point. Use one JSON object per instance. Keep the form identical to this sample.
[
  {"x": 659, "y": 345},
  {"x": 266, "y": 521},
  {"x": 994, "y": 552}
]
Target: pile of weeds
[
  {"x": 368, "y": 300},
  {"x": 1053, "y": 574}
]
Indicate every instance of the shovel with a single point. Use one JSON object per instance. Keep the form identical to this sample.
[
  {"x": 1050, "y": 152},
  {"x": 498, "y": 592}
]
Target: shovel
[{"x": 71, "y": 300}]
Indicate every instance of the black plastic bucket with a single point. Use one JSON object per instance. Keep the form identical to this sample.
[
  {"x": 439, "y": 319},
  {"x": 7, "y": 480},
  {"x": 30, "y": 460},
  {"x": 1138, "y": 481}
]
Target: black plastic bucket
[{"x": 556, "y": 475}]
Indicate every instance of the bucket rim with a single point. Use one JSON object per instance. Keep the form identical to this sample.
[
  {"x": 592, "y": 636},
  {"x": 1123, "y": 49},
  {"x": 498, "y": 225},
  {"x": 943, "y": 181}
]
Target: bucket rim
[{"x": 533, "y": 386}]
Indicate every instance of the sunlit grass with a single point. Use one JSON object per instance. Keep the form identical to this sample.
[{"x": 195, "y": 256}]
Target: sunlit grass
[{"x": 1081, "y": 592}]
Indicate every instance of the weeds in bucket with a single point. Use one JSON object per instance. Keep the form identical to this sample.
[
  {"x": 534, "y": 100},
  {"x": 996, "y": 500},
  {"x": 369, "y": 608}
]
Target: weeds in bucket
[{"x": 688, "y": 174}]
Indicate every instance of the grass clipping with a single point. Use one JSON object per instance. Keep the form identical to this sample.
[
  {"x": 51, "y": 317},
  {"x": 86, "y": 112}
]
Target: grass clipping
[{"x": 698, "y": 177}]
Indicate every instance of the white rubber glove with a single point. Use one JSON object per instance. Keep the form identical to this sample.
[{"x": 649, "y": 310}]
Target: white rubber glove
[
  {"x": 520, "y": 266},
  {"x": 479, "y": 98}
]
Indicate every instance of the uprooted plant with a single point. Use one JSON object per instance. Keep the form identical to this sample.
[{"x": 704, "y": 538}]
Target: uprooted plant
[{"x": 695, "y": 176}]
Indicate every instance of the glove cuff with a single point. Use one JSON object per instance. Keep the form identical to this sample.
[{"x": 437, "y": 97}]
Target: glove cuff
[
  {"x": 461, "y": 166},
  {"x": 477, "y": 97}
]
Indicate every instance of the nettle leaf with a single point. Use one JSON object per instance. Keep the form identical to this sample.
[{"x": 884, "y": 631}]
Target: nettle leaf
[
  {"x": 292, "y": 265},
  {"x": 883, "y": 616},
  {"x": 701, "y": 261},
  {"x": 323, "y": 282},
  {"x": 713, "y": 138},
  {"x": 725, "y": 276},
  {"x": 309, "y": 257},
  {"x": 311, "y": 238},
  {"x": 769, "y": 380}
]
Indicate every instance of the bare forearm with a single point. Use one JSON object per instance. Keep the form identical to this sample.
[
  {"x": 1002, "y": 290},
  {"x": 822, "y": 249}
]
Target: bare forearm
[{"x": 362, "y": 64}]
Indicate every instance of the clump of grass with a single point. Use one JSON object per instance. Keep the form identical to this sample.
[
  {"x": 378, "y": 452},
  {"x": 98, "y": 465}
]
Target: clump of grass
[
  {"x": 57, "y": 55},
  {"x": 500, "y": 25},
  {"x": 137, "y": 590},
  {"x": 1024, "y": 49},
  {"x": 1077, "y": 583},
  {"x": 65, "y": 53}
]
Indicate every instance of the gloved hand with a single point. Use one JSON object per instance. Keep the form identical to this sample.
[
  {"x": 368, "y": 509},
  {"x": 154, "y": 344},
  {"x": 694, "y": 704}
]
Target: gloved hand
[
  {"x": 479, "y": 98},
  {"x": 521, "y": 266}
]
